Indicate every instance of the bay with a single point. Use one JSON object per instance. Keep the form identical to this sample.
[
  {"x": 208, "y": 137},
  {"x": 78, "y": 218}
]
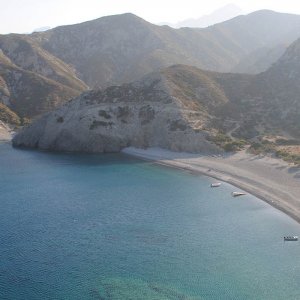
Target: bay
[{"x": 76, "y": 226}]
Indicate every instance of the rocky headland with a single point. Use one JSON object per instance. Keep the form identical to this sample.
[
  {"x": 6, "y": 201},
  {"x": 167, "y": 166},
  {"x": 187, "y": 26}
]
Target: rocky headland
[{"x": 151, "y": 112}]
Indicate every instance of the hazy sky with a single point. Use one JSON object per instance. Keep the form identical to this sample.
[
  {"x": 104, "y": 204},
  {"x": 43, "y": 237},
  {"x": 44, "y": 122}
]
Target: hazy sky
[{"x": 26, "y": 15}]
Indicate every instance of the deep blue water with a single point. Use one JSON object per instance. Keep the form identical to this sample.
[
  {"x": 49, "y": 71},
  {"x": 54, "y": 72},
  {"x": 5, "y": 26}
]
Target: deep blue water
[{"x": 113, "y": 227}]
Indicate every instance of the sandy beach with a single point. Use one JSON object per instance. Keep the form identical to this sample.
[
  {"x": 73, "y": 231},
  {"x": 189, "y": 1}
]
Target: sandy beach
[{"x": 270, "y": 179}]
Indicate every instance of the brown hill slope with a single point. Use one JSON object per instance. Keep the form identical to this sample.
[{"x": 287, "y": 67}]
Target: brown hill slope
[
  {"x": 279, "y": 88},
  {"x": 26, "y": 54},
  {"x": 29, "y": 94},
  {"x": 8, "y": 116},
  {"x": 122, "y": 48}
]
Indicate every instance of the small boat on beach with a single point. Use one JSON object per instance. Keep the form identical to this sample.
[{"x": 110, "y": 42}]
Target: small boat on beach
[
  {"x": 237, "y": 194},
  {"x": 290, "y": 238},
  {"x": 214, "y": 185}
]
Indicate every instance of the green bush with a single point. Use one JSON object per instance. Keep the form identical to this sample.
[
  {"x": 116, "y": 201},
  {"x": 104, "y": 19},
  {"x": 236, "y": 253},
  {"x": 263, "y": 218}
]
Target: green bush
[
  {"x": 293, "y": 158},
  {"x": 234, "y": 145},
  {"x": 227, "y": 143},
  {"x": 262, "y": 147}
]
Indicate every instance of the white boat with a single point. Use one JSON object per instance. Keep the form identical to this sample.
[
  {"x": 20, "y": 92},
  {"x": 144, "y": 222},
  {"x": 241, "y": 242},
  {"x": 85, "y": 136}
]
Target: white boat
[
  {"x": 290, "y": 238},
  {"x": 237, "y": 194},
  {"x": 217, "y": 184}
]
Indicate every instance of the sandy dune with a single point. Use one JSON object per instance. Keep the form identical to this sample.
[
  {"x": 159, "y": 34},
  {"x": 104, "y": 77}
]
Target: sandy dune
[{"x": 270, "y": 179}]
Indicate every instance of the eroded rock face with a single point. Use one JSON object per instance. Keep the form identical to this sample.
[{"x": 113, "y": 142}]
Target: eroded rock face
[
  {"x": 71, "y": 129},
  {"x": 142, "y": 114}
]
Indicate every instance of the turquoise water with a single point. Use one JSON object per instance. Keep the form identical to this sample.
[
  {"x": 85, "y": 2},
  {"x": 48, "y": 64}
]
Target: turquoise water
[{"x": 113, "y": 227}]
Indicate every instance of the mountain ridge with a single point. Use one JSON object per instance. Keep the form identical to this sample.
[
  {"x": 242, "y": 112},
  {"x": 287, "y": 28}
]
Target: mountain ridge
[
  {"x": 223, "y": 45},
  {"x": 120, "y": 49},
  {"x": 220, "y": 15},
  {"x": 220, "y": 47},
  {"x": 181, "y": 108}
]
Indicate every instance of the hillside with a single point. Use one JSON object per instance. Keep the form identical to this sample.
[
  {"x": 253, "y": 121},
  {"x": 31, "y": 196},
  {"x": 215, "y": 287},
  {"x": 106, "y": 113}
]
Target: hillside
[
  {"x": 8, "y": 116},
  {"x": 171, "y": 109},
  {"x": 60, "y": 63},
  {"x": 268, "y": 103},
  {"x": 27, "y": 93},
  {"x": 32, "y": 81},
  {"x": 180, "y": 108},
  {"x": 26, "y": 54},
  {"x": 280, "y": 88},
  {"x": 260, "y": 60},
  {"x": 122, "y": 48}
]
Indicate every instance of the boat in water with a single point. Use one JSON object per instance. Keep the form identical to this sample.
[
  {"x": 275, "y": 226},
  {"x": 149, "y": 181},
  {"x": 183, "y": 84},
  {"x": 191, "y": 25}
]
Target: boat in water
[
  {"x": 290, "y": 238},
  {"x": 217, "y": 184},
  {"x": 237, "y": 194}
]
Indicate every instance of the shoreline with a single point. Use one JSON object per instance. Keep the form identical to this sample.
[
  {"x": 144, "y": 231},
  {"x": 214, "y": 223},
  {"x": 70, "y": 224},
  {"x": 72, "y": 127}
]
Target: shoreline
[{"x": 271, "y": 180}]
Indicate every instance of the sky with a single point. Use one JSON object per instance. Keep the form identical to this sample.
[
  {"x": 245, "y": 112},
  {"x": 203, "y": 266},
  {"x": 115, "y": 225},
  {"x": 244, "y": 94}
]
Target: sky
[{"x": 23, "y": 16}]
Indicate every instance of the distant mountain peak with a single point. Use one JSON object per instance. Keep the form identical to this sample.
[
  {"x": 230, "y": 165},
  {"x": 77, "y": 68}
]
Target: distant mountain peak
[
  {"x": 42, "y": 29},
  {"x": 264, "y": 12},
  {"x": 222, "y": 14},
  {"x": 120, "y": 17}
]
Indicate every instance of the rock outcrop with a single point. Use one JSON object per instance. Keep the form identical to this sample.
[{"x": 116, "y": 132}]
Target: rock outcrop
[{"x": 163, "y": 109}]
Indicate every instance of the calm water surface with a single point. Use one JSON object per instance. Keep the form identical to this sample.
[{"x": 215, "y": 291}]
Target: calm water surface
[{"x": 112, "y": 227}]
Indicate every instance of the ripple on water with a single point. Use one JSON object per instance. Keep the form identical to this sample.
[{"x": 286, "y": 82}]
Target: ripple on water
[{"x": 107, "y": 227}]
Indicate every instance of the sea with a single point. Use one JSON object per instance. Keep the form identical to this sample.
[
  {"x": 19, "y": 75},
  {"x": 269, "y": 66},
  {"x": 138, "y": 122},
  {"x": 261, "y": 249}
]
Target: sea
[{"x": 110, "y": 226}]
